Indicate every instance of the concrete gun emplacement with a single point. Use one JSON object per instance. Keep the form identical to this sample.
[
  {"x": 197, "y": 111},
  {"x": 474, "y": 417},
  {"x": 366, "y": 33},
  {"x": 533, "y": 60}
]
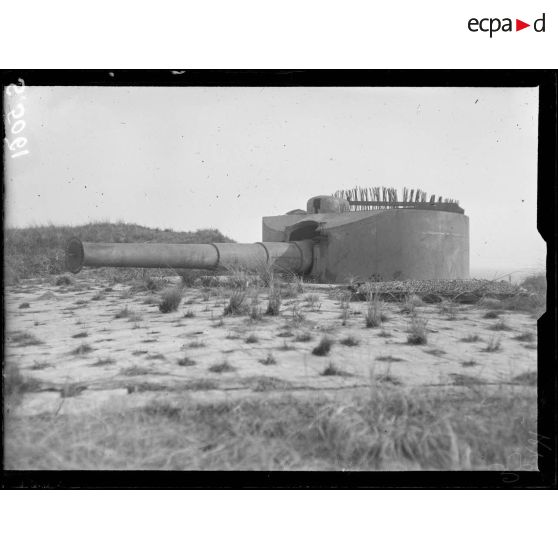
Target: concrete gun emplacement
[{"x": 352, "y": 235}]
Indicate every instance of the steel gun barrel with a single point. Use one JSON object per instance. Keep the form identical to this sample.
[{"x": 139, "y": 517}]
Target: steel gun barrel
[{"x": 295, "y": 257}]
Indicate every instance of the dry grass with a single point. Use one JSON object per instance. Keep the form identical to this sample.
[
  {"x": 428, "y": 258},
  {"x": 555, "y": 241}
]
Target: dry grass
[
  {"x": 469, "y": 363},
  {"x": 472, "y": 338},
  {"x": 304, "y": 337},
  {"x": 350, "y": 341},
  {"x": 491, "y": 315},
  {"x": 449, "y": 310},
  {"x": 416, "y": 332},
  {"x": 526, "y": 337},
  {"x": 23, "y": 339},
  {"x": 196, "y": 344},
  {"x": 170, "y": 300},
  {"x": 237, "y": 303},
  {"x": 410, "y": 304},
  {"x": 274, "y": 301},
  {"x": 268, "y": 360},
  {"x": 266, "y": 384},
  {"x": 500, "y": 325},
  {"x": 493, "y": 345},
  {"x": 136, "y": 371},
  {"x": 297, "y": 314},
  {"x": 63, "y": 281},
  {"x": 333, "y": 370},
  {"x": 388, "y": 429},
  {"x": 127, "y": 313},
  {"x": 255, "y": 313},
  {"x": 374, "y": 315},
  {"x": 80, "y": 335},
  {"x": 389, "y": 358},
  {"x": 82, "y": 349},
  {"x": 345, "y": 304},
  {"x": 186, "y": 361},
  {"x": 223, "y": 366},
  {"x": 313, "y": 302},
  {"x": 40, "y": 365},
  {"x": 285, "y": 347},
  {"x": 104, "y": 361},
  {"x": 323, "y": 347}
]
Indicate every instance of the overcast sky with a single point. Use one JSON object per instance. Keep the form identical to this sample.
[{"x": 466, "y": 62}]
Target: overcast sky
[{"x": 189, "y": 158}]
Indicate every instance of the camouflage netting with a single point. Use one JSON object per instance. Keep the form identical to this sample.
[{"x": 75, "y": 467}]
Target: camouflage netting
[{"x": 434, "y": 290}]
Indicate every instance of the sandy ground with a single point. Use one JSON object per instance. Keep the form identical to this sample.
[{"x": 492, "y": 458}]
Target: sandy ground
[{"x": 133, "y": 357}]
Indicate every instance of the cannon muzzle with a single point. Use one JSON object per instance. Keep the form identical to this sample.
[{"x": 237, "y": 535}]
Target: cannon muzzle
[{"x": 294, "y": 257}]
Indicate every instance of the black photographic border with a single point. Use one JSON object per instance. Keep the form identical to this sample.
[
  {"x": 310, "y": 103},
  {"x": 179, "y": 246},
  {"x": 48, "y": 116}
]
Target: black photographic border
[{"x": 547, "y": 181}]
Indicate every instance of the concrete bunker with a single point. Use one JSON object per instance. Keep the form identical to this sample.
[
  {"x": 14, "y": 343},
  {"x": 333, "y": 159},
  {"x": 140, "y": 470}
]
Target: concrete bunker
[{"x": 367, "y": 234}]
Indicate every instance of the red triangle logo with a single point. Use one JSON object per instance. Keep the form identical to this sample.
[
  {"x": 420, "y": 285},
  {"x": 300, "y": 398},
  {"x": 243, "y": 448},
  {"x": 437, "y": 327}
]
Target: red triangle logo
[{"x": 519, "y": 25}]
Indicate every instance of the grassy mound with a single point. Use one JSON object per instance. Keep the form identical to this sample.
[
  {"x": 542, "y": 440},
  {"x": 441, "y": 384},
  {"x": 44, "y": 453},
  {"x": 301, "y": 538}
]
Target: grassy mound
[{"x": 39, "y": 251}]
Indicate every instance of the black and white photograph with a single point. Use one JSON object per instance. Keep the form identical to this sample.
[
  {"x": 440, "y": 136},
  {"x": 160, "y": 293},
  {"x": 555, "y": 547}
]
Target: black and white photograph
[{"x": 271, "y": 276}]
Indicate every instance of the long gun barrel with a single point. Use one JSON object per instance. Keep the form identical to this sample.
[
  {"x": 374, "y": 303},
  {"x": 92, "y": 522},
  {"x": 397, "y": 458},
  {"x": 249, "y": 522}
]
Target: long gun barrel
[{"x": 295, "y": 257}]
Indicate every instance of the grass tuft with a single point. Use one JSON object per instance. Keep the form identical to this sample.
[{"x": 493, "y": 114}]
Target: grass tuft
[
  {"x": 526, "y": 336},
  {"x": 471, "y": 338},
  {"x": 349, "y": 341},
  {"x": 374, "y": 316},
  {"x": 40, "y": 365},
  {"x": 237, "y": 303},
  {"x": 491, "y": 315},
  {"x": 63, "y": 280},
  {"x": 500, "y": 325},
  {"x": 323, "y": 347},
  {"x": 186, "y": 361},
  {"x": 416, "y": 332},
  {"x": 492, "y": 346},
  {"x": 80, "y": 335},
  {"x": 345, "y": 304},
  {"x": 389, "y": 358},
  {"x": 82, "y": 349},
  {"x": 103, "y": 361},
  {"x": 136, "y": 371},
  {"x": 333, "y": 370},
  {"x": 255, "y": 310},
  {"x": 304, "y": 337},
  {"x": 24, "y": 339},
  {"x": 170, "y": 300},
  {"x": 223, "y": 366},
  {"x": 196, "y": 344},
  {"x": 469, "y": 363},
  {"x": 274, "y": 301},
  {"x": 268, "y": 360}
]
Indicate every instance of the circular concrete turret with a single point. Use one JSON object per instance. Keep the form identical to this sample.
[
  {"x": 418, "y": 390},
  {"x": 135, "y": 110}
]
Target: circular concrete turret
[{"x": 327, "y": 204}]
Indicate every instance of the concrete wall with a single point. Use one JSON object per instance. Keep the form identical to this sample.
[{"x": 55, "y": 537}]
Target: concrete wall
[
  {"x": 397, "y": 244},
  {"x": 389, "y": 244}
]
